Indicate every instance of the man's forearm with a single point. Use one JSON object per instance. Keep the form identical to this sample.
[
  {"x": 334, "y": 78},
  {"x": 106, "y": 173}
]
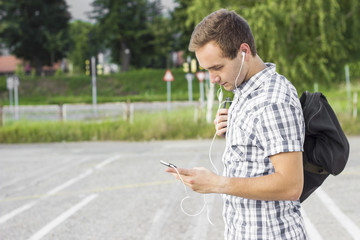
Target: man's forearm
[{"x": 269, "y": 187}]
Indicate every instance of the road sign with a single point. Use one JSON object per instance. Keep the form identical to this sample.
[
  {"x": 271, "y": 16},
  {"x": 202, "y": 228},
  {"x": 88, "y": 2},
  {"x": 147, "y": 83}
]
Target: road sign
[
  {"x": 168, "y": 77},
  {"x": 193, "y": 65},
  {"x": 10, "y": 83},
  {"x": 200, "y": 76}
]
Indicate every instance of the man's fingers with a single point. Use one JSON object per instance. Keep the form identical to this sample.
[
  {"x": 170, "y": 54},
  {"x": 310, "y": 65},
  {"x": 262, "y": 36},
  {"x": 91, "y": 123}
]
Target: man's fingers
[
  {"x": 185, "y": 172},
  {"x": 223, "y": 111},
  {"x": 220, "y": 132},
  {"x": 221, "y": 118},
  {"x": 182, "y": 171}
]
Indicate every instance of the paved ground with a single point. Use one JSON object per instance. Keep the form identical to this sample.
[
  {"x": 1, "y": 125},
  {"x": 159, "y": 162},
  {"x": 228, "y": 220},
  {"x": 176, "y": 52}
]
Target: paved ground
[{"x": 118, "y": 190}]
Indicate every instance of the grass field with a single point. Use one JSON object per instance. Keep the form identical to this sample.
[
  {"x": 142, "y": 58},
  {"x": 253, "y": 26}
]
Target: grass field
[{"x": 141, "y": 85}]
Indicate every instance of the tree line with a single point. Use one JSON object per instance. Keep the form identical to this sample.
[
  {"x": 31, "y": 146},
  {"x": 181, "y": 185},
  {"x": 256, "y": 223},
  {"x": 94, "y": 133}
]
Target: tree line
[{"x": 309, "y": 40}]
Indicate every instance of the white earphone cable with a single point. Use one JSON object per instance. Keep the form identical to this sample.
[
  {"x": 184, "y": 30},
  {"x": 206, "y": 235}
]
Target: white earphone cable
[
  {"x": 220, "y": 96},
  {"x": 242, "y": 63}
]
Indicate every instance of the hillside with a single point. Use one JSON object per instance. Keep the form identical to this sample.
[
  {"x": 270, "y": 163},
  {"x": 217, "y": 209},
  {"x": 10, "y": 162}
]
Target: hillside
[{"x": 136, "y": 85}]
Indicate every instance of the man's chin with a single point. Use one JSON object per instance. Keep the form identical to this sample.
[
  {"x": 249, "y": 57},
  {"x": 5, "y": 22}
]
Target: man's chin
[{"x": 228, "y": 87}]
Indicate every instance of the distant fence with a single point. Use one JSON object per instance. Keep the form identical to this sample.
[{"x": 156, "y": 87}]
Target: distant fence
[{"x": 81, "y": 112}]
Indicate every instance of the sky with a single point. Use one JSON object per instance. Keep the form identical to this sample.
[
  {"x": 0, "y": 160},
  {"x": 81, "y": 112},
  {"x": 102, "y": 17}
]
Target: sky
[{"x": 78, "y": 8}]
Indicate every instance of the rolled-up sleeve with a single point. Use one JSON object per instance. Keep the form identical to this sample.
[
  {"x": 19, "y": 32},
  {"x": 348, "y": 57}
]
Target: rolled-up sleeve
[{"x": 281, "y": 128}]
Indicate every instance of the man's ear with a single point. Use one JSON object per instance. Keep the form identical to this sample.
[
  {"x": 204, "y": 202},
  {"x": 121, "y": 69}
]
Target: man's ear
[{"x": 244, "y": 48}]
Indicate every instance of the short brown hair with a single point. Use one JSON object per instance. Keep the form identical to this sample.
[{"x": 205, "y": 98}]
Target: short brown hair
[{"x": 227, "y": 29}]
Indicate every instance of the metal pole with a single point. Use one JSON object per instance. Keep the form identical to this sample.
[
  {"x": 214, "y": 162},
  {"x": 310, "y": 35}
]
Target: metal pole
[
  {"x": 355, "y": 101},
  {"x": 210, "y": 102},
  {"x": 11, "y": 97},
  {"x": 189, "y": 78},
  {"x": 16, "y": 101},
  {"x": 93, "y": 80},
  {"x": 1, "y": 116},
  {"x": 347, "y": 78},
  {"x": 168, "y": 95},
  {"x": 202, "y": 94},
  {"x": 316, "y": 87}
]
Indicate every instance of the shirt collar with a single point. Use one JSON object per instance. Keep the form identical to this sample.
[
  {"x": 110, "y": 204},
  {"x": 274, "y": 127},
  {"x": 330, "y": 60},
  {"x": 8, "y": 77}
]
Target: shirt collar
[{"x": 254, "y": 82}]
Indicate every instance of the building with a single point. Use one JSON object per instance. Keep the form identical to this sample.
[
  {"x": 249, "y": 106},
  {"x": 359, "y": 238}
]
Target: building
[{"x": 8, "y": 64}]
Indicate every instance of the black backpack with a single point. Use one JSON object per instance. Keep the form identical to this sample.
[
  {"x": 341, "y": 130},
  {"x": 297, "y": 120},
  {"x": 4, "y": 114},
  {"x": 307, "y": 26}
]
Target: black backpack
[{"x": 326, "y": 148}]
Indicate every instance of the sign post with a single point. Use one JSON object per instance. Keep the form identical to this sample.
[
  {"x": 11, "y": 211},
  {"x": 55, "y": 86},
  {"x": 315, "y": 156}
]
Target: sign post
[
  {"x": 93, "y": 81},
  {"x": 201, "y": 77},
  {"x": 168, "y": 77},
  {"x": 16, "y": 96},
  {"x": 348, "y": 86},
  {"x": 189, "y": 77},
  {"x": 210, "y": 97},
  {"x": 12, "y": 84},
  {"x": 10, "y": 87}
]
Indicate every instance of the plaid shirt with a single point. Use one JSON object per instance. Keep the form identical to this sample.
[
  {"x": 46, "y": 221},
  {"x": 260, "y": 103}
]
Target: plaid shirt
[{"x": 264, "y": 119}]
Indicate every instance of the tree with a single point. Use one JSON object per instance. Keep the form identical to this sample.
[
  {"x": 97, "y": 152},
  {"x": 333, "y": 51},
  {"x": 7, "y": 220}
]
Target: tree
[
  {"x": 36, "y": 30},
  {"x": 84, "y": 43},
  {"x": 125, "y": 26},
  {"x": 183, "y": 27},
  {"x": 309, "y": 40},
  {"x": 163, "y": 42}
]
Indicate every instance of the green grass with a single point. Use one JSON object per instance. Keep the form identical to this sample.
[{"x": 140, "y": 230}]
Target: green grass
[
  {"x": 139, "y": 85},
  {"x": 136, "y": 85},
  {"x": 179, "y": 124}
]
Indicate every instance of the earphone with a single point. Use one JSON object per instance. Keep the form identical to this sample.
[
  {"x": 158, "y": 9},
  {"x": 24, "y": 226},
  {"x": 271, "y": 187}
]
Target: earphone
[
  {"x": 205, "y": 205},
  {"x": 220, "y": 98},
  {"x": 220, "y": 94},
  {"x": 242, "y": 63}
]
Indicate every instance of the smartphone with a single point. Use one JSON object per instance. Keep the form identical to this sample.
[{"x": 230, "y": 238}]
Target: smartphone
[
  {"x": 168, "y": 164},
  {"x": 227, "y": 100}
]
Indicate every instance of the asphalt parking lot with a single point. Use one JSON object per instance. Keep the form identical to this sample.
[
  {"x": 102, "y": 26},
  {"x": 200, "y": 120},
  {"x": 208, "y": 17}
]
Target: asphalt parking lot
[{"x": 118, "y": 190}]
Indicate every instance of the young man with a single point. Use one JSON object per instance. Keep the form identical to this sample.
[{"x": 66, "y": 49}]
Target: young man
[{"x": 263, "y": 176}]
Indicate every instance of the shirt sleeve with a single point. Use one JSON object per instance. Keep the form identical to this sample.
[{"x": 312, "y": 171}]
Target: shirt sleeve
[{"x": 281, "y": 128}]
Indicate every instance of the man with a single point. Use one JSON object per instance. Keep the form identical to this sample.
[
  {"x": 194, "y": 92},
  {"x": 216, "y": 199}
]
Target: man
[{"x": 263, "y": 176}]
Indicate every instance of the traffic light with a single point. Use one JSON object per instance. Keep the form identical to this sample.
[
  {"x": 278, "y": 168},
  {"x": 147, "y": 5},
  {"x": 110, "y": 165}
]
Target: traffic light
[
  {"x": 99, "y": 69},
  {"x": 186, "y": 67},
  {"x": 87, "y": 67},
  {"x": 193, "y": 65}
]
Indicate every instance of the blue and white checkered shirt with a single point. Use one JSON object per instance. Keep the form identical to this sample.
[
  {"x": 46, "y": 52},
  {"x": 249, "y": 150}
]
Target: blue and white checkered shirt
[{"x": 265, "y": 118}]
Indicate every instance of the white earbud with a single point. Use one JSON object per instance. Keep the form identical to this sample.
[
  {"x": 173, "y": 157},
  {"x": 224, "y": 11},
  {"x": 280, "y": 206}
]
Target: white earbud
[
  {"x": 242, "y": 63},
  {"x": 220, "y": 97}
]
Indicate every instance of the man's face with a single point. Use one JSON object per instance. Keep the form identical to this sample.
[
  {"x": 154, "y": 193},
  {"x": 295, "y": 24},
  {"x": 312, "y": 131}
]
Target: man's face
[{"x": 222, "y": 70}]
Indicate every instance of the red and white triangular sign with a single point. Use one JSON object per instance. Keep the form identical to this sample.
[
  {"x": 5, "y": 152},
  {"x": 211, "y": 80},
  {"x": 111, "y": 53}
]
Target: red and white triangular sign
[{"x": 168, "y": 77}]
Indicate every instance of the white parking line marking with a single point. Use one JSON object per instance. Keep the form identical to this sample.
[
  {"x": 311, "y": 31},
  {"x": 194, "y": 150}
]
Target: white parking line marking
[
  {"x": 349, "y": 225},
  {"x": 311, "y": 230},
  {"x": 17, "y": 211},
  {"x": 106, "y": 162},
  {"x": 21, "y": 209},
  {"x": 69, "y": 183},
  {"x": 50, "y": 173},
  {"x": 57, "y": 221},
  {"x": 38, "y": 172}
]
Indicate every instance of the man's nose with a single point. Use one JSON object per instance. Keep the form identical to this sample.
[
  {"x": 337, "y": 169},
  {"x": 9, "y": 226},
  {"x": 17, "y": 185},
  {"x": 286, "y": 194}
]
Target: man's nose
[{"x": 214, "y": 78}]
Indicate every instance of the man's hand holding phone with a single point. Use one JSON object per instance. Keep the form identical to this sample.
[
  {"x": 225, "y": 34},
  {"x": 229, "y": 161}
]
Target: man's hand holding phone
[
  {"x": 199, "y": 179},
  {"x": 220, "y": 122}
]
